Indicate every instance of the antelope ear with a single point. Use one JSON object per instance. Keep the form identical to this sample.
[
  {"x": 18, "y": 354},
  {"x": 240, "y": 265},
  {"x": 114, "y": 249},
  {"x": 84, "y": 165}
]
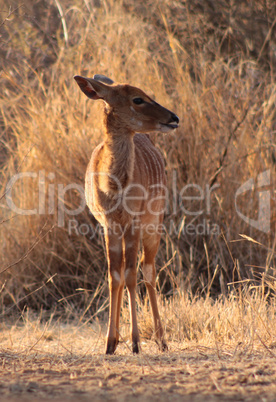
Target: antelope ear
[{"x": 91, "y": 88}]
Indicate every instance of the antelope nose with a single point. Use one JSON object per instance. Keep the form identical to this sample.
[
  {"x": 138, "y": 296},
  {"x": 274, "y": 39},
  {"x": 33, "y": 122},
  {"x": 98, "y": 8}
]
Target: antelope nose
[{"x": 174, "y": 118}]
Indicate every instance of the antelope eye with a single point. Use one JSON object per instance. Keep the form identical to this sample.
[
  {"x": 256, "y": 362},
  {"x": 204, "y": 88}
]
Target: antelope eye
[{"x": 137, "y": 101}]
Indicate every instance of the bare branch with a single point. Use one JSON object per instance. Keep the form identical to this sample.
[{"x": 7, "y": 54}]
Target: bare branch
[
  {"x": 9, "y": 14},
  {"x": 222, "y": 159},
  {"x": 38, "y": 239}
]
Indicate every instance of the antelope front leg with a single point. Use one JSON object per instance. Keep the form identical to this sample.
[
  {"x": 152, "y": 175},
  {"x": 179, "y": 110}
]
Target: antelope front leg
[{"x": 116, "y": 283}]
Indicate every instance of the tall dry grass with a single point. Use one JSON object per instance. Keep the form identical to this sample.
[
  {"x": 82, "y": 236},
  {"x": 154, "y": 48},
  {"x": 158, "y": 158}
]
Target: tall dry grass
[{"x": 205, "y": 63}]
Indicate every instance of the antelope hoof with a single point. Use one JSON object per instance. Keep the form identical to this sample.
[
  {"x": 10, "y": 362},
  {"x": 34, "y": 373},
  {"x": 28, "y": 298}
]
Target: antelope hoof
[
  {"x": 111, "y": 347},
  {"x": 164, "y": 347},
  {"x": 135, "y": 348}
]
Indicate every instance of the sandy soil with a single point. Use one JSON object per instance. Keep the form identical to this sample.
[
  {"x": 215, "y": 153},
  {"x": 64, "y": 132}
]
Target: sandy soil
[{"x": 69, "y": 364}]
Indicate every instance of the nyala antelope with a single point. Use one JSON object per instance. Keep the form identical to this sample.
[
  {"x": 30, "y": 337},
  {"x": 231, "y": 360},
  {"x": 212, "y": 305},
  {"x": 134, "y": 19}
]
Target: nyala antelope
[{"x": 125, "y": 190}]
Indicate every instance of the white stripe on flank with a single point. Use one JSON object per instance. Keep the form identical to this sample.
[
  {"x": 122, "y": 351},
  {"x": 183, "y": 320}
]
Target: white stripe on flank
[{"x": 153, "y": 163}]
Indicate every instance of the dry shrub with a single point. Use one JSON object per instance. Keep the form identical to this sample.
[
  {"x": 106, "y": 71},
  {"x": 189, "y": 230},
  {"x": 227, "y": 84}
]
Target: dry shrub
[
  {"x": 205, "y": 63},
  {"x": 244, "y": 317}
]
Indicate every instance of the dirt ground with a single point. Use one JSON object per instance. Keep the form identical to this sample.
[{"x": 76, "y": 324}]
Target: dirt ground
[{"x": 68, "y": 364}]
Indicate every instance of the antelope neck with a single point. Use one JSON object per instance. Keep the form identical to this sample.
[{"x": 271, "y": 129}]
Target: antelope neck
[{"x": 119, "y": 155}]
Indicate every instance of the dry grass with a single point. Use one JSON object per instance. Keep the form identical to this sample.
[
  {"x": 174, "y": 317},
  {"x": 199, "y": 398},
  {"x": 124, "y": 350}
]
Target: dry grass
[
  {"x": 205, "y": 64},
  {"x": 213, "y": 64},
  {"x": 217, "y": 351}
]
